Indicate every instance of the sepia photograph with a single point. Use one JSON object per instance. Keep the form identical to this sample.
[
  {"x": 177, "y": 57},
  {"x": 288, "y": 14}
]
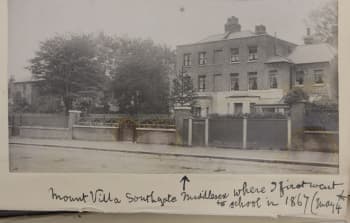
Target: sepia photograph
[{"x": 175, "y": 86}]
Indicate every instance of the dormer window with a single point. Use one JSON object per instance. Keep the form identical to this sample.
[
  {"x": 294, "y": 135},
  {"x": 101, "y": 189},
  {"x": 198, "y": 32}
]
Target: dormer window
[
  {"x": 202, "y": 58},
  {"x": 253, "y": 53}
]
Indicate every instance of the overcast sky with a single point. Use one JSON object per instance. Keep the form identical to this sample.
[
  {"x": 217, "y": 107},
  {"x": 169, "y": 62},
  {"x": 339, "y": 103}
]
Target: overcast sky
[{"x": 32, "y": 21}]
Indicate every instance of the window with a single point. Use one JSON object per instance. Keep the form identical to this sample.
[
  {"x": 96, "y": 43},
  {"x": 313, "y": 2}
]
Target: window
[
  {"x": 299, "y": 77},
  {"x": 238, "y": 108},
  {"x": 202, "y": 58},
  {"x": 187, "y": 59},
  {"x": 318, "y": 77},
  {"x": 234, "y": 82},
  {"x": 218, "y": 56},
  {"x": 253, "y": 53},
  {"x": 268, "y": 110},
  {"x": 253, "y": 81},
  {"x": 201, "y": 83},
  {"x": 218, "y": 83},
  {"x": 197, "y": 111},
  {"x": 273, "y": 79},
  {"x": 234, "y": 55}
]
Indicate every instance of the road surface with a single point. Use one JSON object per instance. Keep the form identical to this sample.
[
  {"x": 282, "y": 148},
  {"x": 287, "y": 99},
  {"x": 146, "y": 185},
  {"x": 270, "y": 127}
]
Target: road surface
[{"x": 29, "y": 158}]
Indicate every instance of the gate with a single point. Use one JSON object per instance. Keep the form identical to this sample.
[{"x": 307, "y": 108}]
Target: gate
[{"x": 127, "y": 130}]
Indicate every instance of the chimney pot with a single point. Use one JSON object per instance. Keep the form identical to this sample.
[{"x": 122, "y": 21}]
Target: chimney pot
[
  {"x": 260, "y": 29},
  {"x": 232, "y": 25}
]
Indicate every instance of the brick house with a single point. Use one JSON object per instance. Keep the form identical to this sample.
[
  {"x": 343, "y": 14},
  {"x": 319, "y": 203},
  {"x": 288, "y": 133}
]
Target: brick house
[{"x": 244, "y": 71}]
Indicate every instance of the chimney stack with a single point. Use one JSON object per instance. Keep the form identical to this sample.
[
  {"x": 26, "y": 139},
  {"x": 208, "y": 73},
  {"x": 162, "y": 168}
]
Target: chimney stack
[
  {"x": 232, "y": 25},
  {"x": 308, "y": 39},
  {"x": 260, "y": 29}
]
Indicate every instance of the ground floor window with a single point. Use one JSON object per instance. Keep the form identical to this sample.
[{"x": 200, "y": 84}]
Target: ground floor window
[
  {"x": 197, "y": 111},
  {"x": 238, "y": 108},
  {"x": 268, "y": 110},
  {"x": 273, "y": 79},
  {"x": 318, "y": 76}
]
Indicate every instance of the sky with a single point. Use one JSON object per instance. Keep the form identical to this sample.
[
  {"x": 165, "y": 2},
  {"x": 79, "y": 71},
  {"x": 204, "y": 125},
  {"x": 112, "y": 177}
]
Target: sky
[{"x": 32, "y": 21}]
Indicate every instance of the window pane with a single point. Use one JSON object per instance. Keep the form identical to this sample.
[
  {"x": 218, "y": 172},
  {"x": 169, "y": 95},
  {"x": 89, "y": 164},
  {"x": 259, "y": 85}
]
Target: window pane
[
  {"x": 299, "y": 78},
  {"x": 273, "y": 79},
  {"x": 202, "y": 58},
  {"x": 253, "y": 53},
  {"x": 234, "y": 55},
  {"x": 253, "y": 84},
  {"x": 201, "y": 83},
  {"x": 187, "y": 59},
  {"x": 238, "y": 108},
  {"x": 234, "y": 82},
  {"x": 318, "y": 76}
]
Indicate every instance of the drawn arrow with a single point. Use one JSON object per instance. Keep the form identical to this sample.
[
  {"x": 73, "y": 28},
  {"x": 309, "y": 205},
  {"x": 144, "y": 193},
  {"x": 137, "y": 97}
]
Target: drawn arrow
[
  {"x": 341, "y": 196},
  {"x": 184, "y": 179}
]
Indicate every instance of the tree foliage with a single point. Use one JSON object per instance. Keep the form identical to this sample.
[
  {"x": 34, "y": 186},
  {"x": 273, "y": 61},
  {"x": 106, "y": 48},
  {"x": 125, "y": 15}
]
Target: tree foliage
[
  {"x": 295, "y": 95},
  {"x": 182, "y": 92},
  {"x": 140, "y": 78},
  {"x": 69, "y": 65},
  {"x": 324, "y": 22}
]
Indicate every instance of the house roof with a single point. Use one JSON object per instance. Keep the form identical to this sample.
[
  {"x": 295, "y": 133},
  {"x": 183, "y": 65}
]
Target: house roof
[
  {"x": 278, "y": 59},
  {"x": 312, "y": 53},
  {"x": 228, "y": 35}
]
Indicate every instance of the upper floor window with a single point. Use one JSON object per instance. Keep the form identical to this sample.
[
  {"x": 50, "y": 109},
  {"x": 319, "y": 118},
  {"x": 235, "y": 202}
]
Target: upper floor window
[
  {"x": 218, "y": 56},
  {"x": 234, "y": 55},
  {"x": 299, "y": 77},
  {"x": 187, "y": 59},
  {"x": 318, "y": 77},
  {"x": 202, "y": 58},
  {"x": 253, "y": 53},
  {"x": 273, "y": 79},
  {"x": 252, "y": 80},
  {"x": 201, "y": 83},
  {"x": 234, "y": 82}
]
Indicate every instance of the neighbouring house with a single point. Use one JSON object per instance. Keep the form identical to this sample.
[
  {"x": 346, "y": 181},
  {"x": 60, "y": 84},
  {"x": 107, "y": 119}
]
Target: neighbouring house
[
  {"x": 251, "y": 71},
  {"x": 24, "y": 90}
]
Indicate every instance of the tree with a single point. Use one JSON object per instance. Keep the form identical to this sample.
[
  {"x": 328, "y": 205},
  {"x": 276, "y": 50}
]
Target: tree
[
  {"x": 68, "y": 64},
  {"x": 324, "y": 22},
  {"x": 182, "y": 92},
  {"x": 295, "y": 95},
  {"x": 140, "y": 78}
]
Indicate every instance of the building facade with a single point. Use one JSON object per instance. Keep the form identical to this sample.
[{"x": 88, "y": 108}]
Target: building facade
[{"x": 244, "y": 71}]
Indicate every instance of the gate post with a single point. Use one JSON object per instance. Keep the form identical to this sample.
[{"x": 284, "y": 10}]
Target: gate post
[
  {"x": 289, "y": 133},
  {"x": 190, "y": 132},
  {"x": 73, "y": 119},
  {"x": 206, "y": 136},
  {"x": 244, "y": 132},
  {"x": 297, "y": 113}
]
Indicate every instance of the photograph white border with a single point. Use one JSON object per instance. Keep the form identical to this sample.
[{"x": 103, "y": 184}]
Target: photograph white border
[{"x": 29, "y": 191}]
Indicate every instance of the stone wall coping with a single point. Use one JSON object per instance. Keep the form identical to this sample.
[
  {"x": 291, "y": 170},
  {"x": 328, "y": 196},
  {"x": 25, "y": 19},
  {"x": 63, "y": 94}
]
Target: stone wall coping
[
  {"x": 157, "y": 129},
  {"x": 74, "y": 111},
  {"x": 95, "y": 127},
  {"x": 182, "y": 108},
  {"x": 42, "y": 127}
]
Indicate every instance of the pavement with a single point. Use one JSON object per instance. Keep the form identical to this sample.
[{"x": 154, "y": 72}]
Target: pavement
[{"x": 252, "y": 155}]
